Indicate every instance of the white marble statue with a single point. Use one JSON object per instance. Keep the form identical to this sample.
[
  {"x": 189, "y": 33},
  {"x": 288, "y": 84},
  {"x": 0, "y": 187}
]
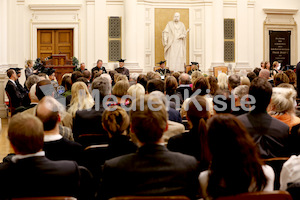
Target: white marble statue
[{"x": 174, "y": 42}]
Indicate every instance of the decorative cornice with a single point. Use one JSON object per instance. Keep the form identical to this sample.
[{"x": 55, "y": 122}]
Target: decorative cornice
[
  {"x": 280, "y": 11},
  {"x": 37, "y": 7}
]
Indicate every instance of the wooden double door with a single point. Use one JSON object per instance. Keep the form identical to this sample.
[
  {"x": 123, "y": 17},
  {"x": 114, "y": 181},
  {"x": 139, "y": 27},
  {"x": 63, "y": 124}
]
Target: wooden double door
[{"x": 54, "y": 41}]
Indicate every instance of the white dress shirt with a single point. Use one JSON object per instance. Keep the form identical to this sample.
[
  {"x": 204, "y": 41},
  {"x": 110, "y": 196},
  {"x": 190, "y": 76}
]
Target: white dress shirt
[{"x": 290, "y": 172}]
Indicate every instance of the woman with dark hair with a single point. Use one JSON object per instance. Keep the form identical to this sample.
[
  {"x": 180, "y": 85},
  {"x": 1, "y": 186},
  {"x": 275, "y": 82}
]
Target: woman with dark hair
[
  {"x": 235, "y": 167},
  {"x": 171, "y": 87},
  {"x": 214, "y": 87},
  {"x": 194, "y": 142}
]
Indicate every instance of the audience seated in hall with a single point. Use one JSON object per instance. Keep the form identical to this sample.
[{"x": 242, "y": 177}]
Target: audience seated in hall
[
  {"x": 31, "y": 80},
  {"x": 89, "y": 121},
  {"x": 238, "y": 94},
  {"x": 17, "y": 97},
  {"x": 67, "y": 84},
  {"x": 214, "y": 87},
  {"x": 251, "y": 76},
  {"x": 235, "y": 167},
  {"x": 142, "y": 79},
  {"x": 29, "y": 173},
  {"x": 153, "y": 170},
  {"x": 81, "y": 98},
  {"x": 245, "y": 81},
  {"x": 171, "y": 89},
  {"x": 119, "y": 90},
  {"x": 233, "y": 81},
  {"x": 222, "y": 81},
  {"x": 55, "y": 146},
  {"x": 270, "y": 134},
  {"x": 280, "y": 78},
  {"x": 194, "y": 142}
]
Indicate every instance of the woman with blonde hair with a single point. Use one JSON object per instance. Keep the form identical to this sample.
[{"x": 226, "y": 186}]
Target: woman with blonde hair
[
  {"x": 282, "y": 106},
  {"x": 29, "y": 69},
  {"x": 223, "y": 81},
  {"x": 81, "y": 98},
  {"x": 115, "y": 121}
]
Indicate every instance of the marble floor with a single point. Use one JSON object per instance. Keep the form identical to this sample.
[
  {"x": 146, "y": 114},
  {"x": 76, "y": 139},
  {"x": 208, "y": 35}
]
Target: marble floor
[{"x": 5, "y": 147}]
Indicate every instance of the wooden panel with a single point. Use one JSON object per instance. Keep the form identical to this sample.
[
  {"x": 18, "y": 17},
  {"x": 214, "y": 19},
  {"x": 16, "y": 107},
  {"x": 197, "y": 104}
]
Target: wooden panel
[
  {"x": 45, "y": 43},
  {"x": 64, "y": 42}
]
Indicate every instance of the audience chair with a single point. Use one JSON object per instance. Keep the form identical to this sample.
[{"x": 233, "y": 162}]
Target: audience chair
[
  {"x": 276, "y": 164},
  {"x": 11, "y": 109},
  {"x": 294, "y": 139},
  {"x": 187, "y": 68},
  {"x": 150, "y": 198},
  {"x": 220, "y": 69},
  {"x": 294, "y": 190},
  {"x": 274, "y": 195},
  {"x": 46, "y": 198},
  {"x": 92, "y": 139}
]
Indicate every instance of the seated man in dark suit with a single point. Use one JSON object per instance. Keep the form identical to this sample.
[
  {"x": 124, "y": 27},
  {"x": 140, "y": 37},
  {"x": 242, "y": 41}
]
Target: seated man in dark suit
[
  {"x": 29, "y": 173},
  {"x": 18, "y": 97},
  {"x": 194, "y": 67},
  {"x": 163, "y": 71},
  {"x": 270, "y": 134},
  {"x": 184, "y": 85},
  {"x": 55, "y": 146},
  {"x": 121, "y": 69},
  {"x": 99, "y": 68},
  {"x": 153, "y": 170},
  {"x": 89, "y": 121}
]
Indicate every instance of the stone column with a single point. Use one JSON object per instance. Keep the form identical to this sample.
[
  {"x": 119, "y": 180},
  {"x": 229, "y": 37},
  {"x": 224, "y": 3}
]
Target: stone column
[
  {"x": 130, "y": 42},
  {"x": 90, "y": 33},
  {"x": 3, "y": 32},
  {"x": 3, "y": 81},
  {"x": 242, "y": 35},
  {"x": 218, "y": 34}
]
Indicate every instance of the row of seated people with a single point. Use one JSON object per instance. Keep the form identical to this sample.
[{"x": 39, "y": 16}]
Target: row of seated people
[{"x": 104, "y": 85}]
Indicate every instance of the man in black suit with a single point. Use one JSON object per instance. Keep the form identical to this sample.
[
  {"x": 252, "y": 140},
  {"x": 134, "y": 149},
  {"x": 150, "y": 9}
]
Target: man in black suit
[
  {"x": 55, "y": 146},
  {"x": 121, "y": 69},
  {"x": 99, "y": 68},
  {"x": 153, "y": 170},
  {"x": 89, "y": 121},
  {"x": 29, "y": 173},
  {"x": 17, "y": 96},
  {"x": 270, "y": 134},
  {"x": 163, "y": 71},
  {"x": 184, "y": 85}
]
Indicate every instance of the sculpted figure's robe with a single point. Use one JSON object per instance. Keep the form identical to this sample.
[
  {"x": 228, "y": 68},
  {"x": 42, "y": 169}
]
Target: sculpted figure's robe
[{"x": 174, "y": 47}]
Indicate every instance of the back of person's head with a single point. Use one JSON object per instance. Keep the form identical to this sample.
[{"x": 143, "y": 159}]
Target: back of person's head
[
  {"x": 184, "y": 79},
  {"x": 10, "y": 72},
  {"x": 251, "y": 76},
  {"x": 202, "y": 84},
  {"x": 75, "y": 76},
  {"x": 195, "y": 75},
  {"x": 84, "y": 80},
  {"x": 285, "y": 85},
  {"x": 43, "y": 76},
  {"x": 66, "y": 82},
  {"x": 222, "y": 81},
  {"x": 121, "y": 77},
  {"x": 226, "y": 101},
  {"x": 213, "y": 82},
  {"x": 171, "y": 85},
  {"x": 281, "y": 78},
  {"x": 49, "y": 112},
  {"x": 44, "y": 88},
  {"x": 106, "y": 76},
  {"x": 103, "y": 85},
  {"x": 31, "y": 80},
  {"x": 241, "y": 91},
  {"x": 134, "y": 76},
  {"x": 142, "y": 79},
  {"x": 282, "y": 101},
  {"x": 261, "y": 90},
  {"x": 242, "y": 73},
  {"x": 264, "y": 73},
  {"x": 32, "y": 94},
  {"x": 234, "y": 174},
  {"x": 116, "y": 76},
  {"x": 234, "y": 81},
  {"x": 155, "y": 84},
  {"x": 257, "y": 71},
  {"x": 150, "y": 75},
  {"x": 176, "y": 75},
  {"x": 86, "y": 74},
  {"x": 120, "y": 88},
  {"x": 136, "y": 90},
  {"x": 245, "y": 81},
  {"x": 26, "y": 134},
  {"x": 112, "y": 75},
  {"x": 292, "y": 76},
  {"x": 115, "y": 120},
  {"x": 148, "y": 119}
]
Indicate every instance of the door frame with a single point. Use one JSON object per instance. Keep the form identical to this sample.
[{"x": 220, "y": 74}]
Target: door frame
[{"x": 57, "y": 25}]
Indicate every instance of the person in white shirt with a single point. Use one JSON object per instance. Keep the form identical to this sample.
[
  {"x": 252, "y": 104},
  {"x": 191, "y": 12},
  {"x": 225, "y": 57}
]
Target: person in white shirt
[
  {"x": 290, "y": 172},
  {"x": 235, "y": 164}
]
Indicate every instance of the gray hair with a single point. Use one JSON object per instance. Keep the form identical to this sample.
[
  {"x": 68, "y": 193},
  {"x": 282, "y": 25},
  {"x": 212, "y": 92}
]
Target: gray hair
[
  {"x": 103, "y": 85},
  {"x": 234, "y": 81},
  {"x": 33, "y": 79},
  {"x": 134, "y": 76},
  {"x": 32, "y": 94},
  {"x": 241, "y": 91},
  {"x": 184, "y": 79},
  {"x": 282, "y": 100},
  {"x": 106, "y": 76}
]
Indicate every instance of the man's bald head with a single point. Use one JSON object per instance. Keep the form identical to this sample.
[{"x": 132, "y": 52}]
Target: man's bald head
[
  {"x": 264, "y": 73},
  {"x": 184, "y": 79}
]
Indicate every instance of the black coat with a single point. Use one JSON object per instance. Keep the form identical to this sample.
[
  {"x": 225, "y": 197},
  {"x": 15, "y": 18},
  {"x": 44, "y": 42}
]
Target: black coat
[
  {"x": 38, "y": 176},
  {"x": 163, "y": 72},
  {"x": 269, "y": 134},
  {"x": 181, "y": 89},
  {"x": 153, "y": 170},
  {"x": 123, "y": 70},
  {"x": 18, "y": 97}
]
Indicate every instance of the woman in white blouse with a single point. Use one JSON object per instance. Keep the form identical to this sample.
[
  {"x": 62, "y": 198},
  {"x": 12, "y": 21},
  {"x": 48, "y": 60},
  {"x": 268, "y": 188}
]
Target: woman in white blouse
[{"x": 235, "y": 167}]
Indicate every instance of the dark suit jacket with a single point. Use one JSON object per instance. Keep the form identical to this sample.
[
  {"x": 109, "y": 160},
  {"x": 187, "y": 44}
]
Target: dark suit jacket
[
  {"x": 174, "y": 115},
  {"x": 63, "y": 149},
  {"x": 163, "y": 72},
  {"x": 153, "y": 170},
  {"x": 181, "y": 91},
  {"x": 18, "y": 98},
  {"x": 270, "y": 134},
  {"x": 96, "y": 68},
  {"x": 89, "y": 122},
  {"x": 123, "y": 70},
  {"x": 38, "y": 176}
]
